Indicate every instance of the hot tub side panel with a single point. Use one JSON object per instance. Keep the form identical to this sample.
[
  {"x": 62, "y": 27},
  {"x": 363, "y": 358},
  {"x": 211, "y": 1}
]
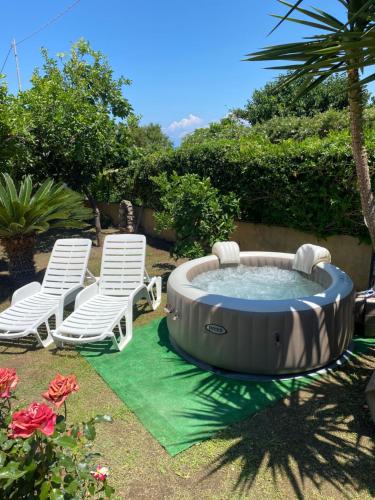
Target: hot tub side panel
[{"x": 247, "y": 341}]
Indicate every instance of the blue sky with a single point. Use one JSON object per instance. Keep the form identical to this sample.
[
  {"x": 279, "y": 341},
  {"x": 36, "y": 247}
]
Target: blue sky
[{"x": 184, "y": 58}]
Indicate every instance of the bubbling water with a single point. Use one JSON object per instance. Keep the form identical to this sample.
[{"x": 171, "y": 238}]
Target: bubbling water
[{"x": 257, "y": 283}]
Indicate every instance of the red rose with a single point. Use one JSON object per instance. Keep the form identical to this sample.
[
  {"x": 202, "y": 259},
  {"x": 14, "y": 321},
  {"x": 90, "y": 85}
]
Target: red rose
[
  {"x": 60, "y": 388},
  {"x": 8, "y": 381},
  {"x": 37, "y": 416}
]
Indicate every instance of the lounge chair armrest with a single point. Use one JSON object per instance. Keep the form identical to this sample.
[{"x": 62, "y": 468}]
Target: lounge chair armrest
[
  {"x": 69, "y": 296},
  {"x": 86, "y": 294},
  {"x": 139, "y": 293},
  {"x": 26, "y": 291},
  {"x": 154, "y": 291},
  {"x": 90, "y": 276}
]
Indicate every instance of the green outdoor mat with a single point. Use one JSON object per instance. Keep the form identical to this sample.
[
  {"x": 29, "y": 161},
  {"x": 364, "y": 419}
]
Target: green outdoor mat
[{"x": 178, "y": 403}]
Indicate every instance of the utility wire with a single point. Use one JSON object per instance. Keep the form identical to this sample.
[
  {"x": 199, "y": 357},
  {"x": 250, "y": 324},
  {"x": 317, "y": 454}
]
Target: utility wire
[
  {"x": 51, "y": 21},
  {"x": 6, "y": 59},
  {"x": 43, "y": 27}
]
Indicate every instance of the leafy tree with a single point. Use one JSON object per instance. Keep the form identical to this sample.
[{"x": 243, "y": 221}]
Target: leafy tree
[
  {"x": 227, "y": 128},
  {"x": 276, "y": 99},
  {"x": 14, "y": 132},
  {"x": 27, "y": 211},
  {"x": 196, "y": 211},
  {"x": 73, "y": 108},
  {"x": 133, "y": 143},
  {"x": 149, "y": 137},
  {"x": 345, "y": 46}
]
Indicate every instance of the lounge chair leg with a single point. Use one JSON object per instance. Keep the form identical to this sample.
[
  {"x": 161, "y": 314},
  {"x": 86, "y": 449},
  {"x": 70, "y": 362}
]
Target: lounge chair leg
[
  {"x": 126, "y": 337},
  {"x": 154, "y": 293},
  {"x": 58, "y": 343},
  {"x": 48, "y": 340}
]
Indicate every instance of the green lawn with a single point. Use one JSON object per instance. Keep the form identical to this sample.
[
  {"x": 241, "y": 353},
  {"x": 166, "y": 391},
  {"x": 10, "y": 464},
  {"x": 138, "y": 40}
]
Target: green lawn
[{"x": 317, "y": 443}]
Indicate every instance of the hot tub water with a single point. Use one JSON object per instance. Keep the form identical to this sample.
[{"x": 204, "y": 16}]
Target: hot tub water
[{"x": 257, "y": 283}]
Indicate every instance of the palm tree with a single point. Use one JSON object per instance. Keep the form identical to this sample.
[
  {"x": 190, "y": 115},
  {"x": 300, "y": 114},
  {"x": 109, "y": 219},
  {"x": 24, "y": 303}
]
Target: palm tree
[
  {"x": 340, "y": 47},
  {"x": 28, "y": 212}
]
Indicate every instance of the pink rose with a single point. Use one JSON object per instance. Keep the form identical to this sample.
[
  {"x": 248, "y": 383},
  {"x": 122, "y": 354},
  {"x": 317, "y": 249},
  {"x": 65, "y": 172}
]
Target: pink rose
[
  {"x": 101, "y": 473},
  {"x": 37, "y": 416},
  {"x": 8, "y": 381},
  {"x": 60, "y": 388}
]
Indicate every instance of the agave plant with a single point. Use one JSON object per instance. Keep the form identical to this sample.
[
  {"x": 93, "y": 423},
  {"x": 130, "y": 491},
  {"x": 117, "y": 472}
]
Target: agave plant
[{"x": 28, "y": 211}]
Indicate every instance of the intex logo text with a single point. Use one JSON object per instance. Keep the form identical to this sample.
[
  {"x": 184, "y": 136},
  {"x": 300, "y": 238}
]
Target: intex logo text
[{"x": 216, "y": 329}]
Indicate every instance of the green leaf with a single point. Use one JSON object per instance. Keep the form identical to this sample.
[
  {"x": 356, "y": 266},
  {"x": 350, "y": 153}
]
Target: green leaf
[
  {"x": 67, "y": 462},
  {"x": 31, "y": 467},
  {"x": 72, "y": 487},
  {"x": 103, "y": 418},
  {"x": 56, "y": 477},
  {"x": 89, "y": 431},
  {"x": 44, "y": 490},
  {"x": 7, "y": 445},
  {"x": 66, "y": 441},
  {"x": 292, "y": 9},
  {"x": 11, "y": 188},
  {"x": 11, "y": 471},
  {"x": 56, "y": 494},
  {"x": 108, "y": 490}
]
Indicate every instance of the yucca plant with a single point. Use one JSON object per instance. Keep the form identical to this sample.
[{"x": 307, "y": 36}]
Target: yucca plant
[
  {"x": 28, "y": 211},
  {"x": 342, "y": 46}
]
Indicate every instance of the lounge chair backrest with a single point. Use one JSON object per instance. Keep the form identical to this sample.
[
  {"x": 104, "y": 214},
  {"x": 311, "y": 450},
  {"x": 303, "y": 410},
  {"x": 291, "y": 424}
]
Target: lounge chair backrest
[
  {"x": 67, "y": 265},
  {"x": 123, "y": 264}
]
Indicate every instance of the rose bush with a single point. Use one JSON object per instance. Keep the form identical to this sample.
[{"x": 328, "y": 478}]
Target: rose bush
[{"x": 41, "y": 456}]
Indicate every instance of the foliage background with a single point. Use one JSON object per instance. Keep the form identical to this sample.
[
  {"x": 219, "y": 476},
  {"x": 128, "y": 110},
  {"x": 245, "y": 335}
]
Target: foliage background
[
  {"x": 288, "y": 162},
  {"x": 308, "y": 184}
]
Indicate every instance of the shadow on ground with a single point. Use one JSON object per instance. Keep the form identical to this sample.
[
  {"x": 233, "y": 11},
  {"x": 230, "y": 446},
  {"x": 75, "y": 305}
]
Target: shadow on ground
[
  {"x": 164, "y": 270},
  {"x": 320, "y": 436},
  {"x": 46, "y": 240}
]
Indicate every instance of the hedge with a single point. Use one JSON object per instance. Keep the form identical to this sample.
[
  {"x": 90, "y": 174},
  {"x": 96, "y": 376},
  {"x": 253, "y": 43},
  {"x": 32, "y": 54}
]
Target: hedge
[{"x": 308, "y": 185}]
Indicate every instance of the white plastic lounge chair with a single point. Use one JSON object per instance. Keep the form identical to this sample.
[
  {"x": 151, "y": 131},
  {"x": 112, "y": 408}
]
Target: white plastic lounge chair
[
  {"x": 103, "y": 306},
  {"x": 34, "y": 304}
]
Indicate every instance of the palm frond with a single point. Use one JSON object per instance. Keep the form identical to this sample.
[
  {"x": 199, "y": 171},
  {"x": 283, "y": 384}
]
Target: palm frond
[
  {"x": 31, "y": 211},
  {"x": 338, "y": 47},
  {"x": 292, "y": 9}
]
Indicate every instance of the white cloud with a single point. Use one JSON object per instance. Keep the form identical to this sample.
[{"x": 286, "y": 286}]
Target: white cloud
[{"x": 185, "y": 125}]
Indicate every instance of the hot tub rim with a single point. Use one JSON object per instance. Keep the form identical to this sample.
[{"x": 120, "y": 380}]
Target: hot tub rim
[{"x": 341, "y": 286}]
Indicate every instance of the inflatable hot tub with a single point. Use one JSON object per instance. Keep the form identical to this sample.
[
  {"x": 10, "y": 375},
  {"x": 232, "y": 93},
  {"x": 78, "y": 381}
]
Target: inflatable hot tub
[{"x": 265, "y": 337}]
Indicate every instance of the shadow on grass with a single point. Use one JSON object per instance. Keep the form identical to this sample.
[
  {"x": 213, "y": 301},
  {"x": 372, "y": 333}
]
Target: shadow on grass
[
  {"x": 316, "y": 435},
  {"x": 7, "y": 286},
  {"x": 14, "y": 347},
  {"x": 166, "y": 268},
  {"x": 158, "y": 243},
  {"x": 46, "y": 240}
]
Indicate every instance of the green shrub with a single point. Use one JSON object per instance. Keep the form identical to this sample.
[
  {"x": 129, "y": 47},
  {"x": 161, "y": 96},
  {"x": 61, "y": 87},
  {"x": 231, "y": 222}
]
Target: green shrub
[
  {"x": 227, "y": 128},
  {"x": 299, "y": 128},
  {"x": 196, "y": 211},
  {"x": 278, "y": 129},
  {"x": 308, "y": 185}
]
